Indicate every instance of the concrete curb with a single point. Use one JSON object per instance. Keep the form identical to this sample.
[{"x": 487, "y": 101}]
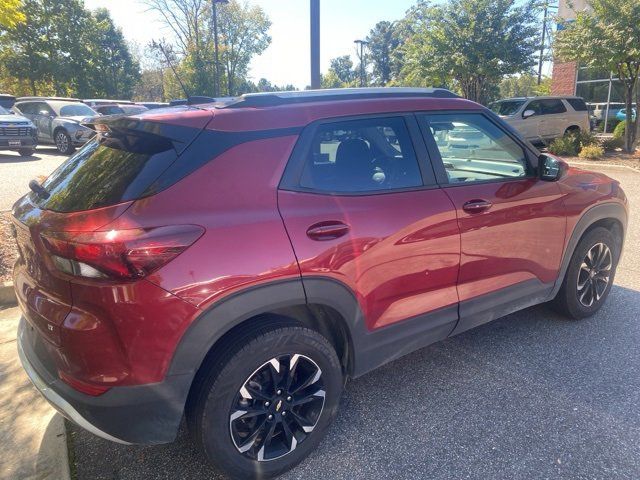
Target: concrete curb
[
  {"x": 610, "y": 165},
  {"x": 7, "y": 294}
]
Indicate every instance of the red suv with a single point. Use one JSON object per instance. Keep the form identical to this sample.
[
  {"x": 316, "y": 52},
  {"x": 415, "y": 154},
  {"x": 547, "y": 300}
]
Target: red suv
[{"x": 236, "y": 262}]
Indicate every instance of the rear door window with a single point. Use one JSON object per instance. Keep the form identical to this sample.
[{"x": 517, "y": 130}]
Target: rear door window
[
  {"x": 372, "y": 154},
  {"x": 552, "y": 106},
  {"x": 107, "y": 171}
]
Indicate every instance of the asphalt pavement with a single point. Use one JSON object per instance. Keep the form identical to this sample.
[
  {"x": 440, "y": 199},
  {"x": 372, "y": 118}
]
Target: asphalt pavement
[
  {"x": 529, "y": 396},
  {"x": 17, "y": 171}
]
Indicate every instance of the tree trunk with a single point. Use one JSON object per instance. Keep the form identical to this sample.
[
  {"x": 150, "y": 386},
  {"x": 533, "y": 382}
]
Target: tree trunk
[{"x": 629, "y": 134}]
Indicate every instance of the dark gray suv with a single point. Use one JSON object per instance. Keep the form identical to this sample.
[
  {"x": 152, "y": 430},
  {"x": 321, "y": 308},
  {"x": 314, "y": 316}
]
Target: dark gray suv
[{"x": 58, "y": 120}]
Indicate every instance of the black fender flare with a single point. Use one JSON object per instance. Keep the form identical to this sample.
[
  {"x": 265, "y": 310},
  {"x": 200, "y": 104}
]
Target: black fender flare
[{"x": 608, "y": 210}]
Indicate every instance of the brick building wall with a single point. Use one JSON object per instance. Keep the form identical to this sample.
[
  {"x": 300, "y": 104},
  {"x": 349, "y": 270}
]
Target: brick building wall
[{"x": 563, "y": 78}]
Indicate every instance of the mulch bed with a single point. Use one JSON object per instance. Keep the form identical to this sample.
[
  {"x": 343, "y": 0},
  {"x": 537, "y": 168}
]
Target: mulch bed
[
  {"x": 8, "y": 251},
  {"x": 613, "y": 158}
]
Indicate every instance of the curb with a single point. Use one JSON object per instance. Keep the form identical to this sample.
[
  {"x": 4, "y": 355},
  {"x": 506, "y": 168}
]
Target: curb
[
  {"x": 610, "y": 165},
  {"x": 7, "y": 294}
]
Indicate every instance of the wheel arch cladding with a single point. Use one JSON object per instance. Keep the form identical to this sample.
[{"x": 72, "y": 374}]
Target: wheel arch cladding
[{"x": 610, "y": 215}]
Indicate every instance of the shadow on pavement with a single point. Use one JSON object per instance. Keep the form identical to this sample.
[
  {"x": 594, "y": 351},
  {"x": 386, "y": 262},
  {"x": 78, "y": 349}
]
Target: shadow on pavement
[{"x": 531, "y": 395}]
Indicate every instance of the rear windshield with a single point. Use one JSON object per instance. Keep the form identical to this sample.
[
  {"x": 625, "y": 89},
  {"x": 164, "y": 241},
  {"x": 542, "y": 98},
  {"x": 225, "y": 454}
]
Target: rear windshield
[
  {"x": 577, "y": 104},
  {"x": 507, "y": 107},
  {"x": 107, "y": 171}
]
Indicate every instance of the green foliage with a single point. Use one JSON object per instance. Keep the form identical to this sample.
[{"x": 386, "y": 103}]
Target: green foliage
[
  {"x": 525, "y": 85},
  {"x": 383, "y": 42},
  {"x": 591, "y": 151},
  {"x": 11, "y": 14},
  {"x": 565, "y": 146},
  {"x": 607, "y": 35},
  {"x": 471, "y": 43},
  {"x": 612, "y": 144},
  {"x": 64, "y": 49},
  {"x": 619, "y": 131},
  {"x": 341, "y": 73}
]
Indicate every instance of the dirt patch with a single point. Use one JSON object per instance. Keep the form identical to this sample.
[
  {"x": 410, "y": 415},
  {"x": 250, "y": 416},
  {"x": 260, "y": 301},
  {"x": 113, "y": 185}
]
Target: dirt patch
[
  {"x": 613, "y": 158},
  {"x": 8, "y": 249}
]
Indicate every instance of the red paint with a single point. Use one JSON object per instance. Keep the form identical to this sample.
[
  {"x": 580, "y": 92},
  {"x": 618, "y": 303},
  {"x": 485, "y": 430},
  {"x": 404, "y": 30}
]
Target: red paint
[{"x": 402, "y": 254}]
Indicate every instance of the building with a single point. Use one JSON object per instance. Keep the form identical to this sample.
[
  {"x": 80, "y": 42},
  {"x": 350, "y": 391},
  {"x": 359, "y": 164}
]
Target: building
[{"x": 601, "y": 89}]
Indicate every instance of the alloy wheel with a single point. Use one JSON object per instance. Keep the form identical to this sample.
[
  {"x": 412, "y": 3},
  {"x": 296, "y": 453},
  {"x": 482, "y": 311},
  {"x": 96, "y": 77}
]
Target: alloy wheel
[
  {"x": 62, "y": 142},
  {"x": 277, "y": 407},
  {"x": 594, "y": 274}
]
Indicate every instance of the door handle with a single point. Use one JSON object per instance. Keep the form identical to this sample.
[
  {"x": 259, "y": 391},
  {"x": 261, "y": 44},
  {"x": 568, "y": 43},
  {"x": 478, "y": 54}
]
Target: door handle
[
  {"x": 329, "y": 230},
  {"x": 476, "y": 206}
]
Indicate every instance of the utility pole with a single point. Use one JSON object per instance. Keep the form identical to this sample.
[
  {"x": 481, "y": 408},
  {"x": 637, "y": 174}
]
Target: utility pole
[
  {"x": 315, "y": 43},
  {"x": 214, "y": 15},
  {"x": 362, "y": 43},
  {"x": 543, "y": 40}
]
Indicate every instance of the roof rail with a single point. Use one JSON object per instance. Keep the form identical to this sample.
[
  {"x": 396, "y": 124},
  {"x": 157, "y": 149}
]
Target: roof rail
[
  {"x": 267, "y": 99},
  {"x": 66, "y": 99}
]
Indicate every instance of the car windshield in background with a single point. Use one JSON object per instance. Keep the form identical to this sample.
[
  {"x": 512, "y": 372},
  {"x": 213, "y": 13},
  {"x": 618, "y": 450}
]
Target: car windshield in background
[
  {"x": 509, "y": 107},
  {"x": 4, "y": 111},
  {"x": 133, "y": 109},
  {"x": 110, "y": 110},
  {"x": 73, "y": 110}
]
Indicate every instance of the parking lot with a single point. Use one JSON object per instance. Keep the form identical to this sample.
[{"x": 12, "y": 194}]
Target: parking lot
[
  {"x": 529, "y": 396},
  {"x": 16, "y": 171}
]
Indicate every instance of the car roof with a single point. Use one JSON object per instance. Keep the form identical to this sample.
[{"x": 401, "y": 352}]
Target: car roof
[
  {"x": 541, "y": 97},
  {"x": 46, "y": 99},
  {"x": 106, "y": 101}
]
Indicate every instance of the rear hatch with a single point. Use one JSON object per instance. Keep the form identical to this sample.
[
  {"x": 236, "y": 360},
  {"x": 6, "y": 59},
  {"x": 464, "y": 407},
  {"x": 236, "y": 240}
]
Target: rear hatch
[{"x": 128, "y": 160}]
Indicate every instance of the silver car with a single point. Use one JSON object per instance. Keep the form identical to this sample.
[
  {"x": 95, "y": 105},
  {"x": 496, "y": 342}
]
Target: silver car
[{"x": 58, "y": 120}]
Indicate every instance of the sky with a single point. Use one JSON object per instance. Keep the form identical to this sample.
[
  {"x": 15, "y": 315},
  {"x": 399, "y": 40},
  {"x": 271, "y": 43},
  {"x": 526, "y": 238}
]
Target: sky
[{"x": 286, "y": 61}]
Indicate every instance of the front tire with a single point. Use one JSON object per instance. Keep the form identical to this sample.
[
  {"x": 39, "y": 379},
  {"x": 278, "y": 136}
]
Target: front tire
[
  {"x": 26, "y": 152},
  {"x": 589, "y": 276},
  {"x": 266, "y": 402},
  {"x": 63, "y": 142}
]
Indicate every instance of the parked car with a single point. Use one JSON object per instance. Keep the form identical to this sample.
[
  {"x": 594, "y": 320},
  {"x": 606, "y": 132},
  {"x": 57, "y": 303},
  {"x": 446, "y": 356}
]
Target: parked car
[
  {"x": 7, "y": 100},
  {"x": 59, "y": 120},
  {"x": 152, "y": 105},
  {"x": 599, "y": 110},
  {"x": 237, "y": 263},
  {"x": 95, "y": 102},
  {"x": 622, "y": 114},
  {"x": 17, "y": 133},
  {"x": 120, "y": 109},
  {"x": 541, "y": 119}
]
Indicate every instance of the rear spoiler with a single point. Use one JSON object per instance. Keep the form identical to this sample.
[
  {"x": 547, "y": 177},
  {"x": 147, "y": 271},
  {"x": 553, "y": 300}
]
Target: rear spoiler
[{"x": 180, "y": 136}]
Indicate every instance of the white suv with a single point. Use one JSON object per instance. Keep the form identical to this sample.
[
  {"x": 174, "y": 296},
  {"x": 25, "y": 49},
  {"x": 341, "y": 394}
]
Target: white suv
[{"x": 540, "y": 119}]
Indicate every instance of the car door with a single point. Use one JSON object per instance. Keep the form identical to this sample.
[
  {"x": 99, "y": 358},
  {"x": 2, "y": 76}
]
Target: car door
[
  {"x": 531, "y": 127},
  {"x": 554, "y": 116},
  {"x": 362, "y": 209},
  {"x": 512, "y": 224},
  {"x": 44, "y": 119}
]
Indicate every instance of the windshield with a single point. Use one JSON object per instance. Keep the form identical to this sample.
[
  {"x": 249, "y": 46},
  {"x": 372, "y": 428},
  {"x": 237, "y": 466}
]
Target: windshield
[
  {"x": 506, "y": 107},
  {"x": 110, "y": 110},
  {"x": 4, "y": 111},
  {"x": 73, "y": 110},
  {"x": 133, "y": 109}
]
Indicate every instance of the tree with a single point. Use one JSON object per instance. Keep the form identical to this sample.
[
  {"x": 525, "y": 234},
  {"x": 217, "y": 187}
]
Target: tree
[
  {"x": 470, "y": 43},
  {"x": 10, "y": 13},
  {"x": 341, "y": 73},
  {"x": 608, "y": 36},
  {"x": 244, "y": 34},
  {"x": 525, "y": 85},
  {"x": 383, "y": 41}
]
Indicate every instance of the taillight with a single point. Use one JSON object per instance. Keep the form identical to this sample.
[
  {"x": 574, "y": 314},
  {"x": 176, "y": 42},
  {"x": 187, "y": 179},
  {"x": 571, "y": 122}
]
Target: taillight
[
  {"x": 121, "y": 254},
  {"x": 93, "y": 390}
]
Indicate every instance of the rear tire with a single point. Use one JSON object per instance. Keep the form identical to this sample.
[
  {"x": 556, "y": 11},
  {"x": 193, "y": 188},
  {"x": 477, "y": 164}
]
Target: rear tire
[
  {"x": 572, "y": 131},
  {"x": 250, "y": 376},
  {"x": 63, "y": 142},
  {"x": 26, "y": 152},
  {"x": 590, "y": 275}
]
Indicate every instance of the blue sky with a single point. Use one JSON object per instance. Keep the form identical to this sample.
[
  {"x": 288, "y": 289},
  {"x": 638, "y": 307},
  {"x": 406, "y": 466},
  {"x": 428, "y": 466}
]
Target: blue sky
[{"x": 287, "y": 59}]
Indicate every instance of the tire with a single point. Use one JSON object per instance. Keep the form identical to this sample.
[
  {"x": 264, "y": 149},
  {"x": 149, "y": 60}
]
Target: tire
[
  {"x": 572, "y": 131},
  {"x": 63, "y": 142},
  {"x": 248, "y": 367},
  {"x": 26, "y": 152},
  {"x": 573, "y": 301}
]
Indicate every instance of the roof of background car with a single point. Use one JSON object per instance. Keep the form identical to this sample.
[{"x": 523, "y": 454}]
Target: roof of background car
[
  {"x": 541, "y": 97},
  {"x": 44, "y": 99},
  {"x": 106, "y": 101}
]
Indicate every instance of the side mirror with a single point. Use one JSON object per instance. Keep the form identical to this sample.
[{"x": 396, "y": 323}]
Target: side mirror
[
  {"x": 528, "y": 113},
  {"x": 549, "y": 168}
]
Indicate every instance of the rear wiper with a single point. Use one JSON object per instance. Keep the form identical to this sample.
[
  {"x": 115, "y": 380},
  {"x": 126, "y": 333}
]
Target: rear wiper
[{"x": 39, "y": 189}]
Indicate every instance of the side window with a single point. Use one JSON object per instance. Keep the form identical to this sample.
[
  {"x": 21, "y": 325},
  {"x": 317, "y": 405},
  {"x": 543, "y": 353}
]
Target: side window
[
  {"x": 26, "y": 108},
  {"x": 552, "y": 106},
  {"x": 474, "y": 149},
  {"x": 361, "y": 156},
  {"x": 577, "y": 104},
  {"x": 536, "y": 106}
]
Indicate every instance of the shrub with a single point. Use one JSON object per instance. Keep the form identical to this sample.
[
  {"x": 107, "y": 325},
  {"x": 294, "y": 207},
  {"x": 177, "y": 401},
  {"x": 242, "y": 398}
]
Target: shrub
[
  {"x": 591, "y": 151},
  {"x": 584, "y": 138},
  {"x": 611, "y": 144},
  {"x": 618, "y": 132},
  {"x": 564, "y": 146}
]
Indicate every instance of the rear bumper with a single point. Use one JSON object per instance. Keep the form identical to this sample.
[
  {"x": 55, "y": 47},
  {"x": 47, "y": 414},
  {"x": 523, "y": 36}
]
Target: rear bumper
[{"x": 145, "y": 414}]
